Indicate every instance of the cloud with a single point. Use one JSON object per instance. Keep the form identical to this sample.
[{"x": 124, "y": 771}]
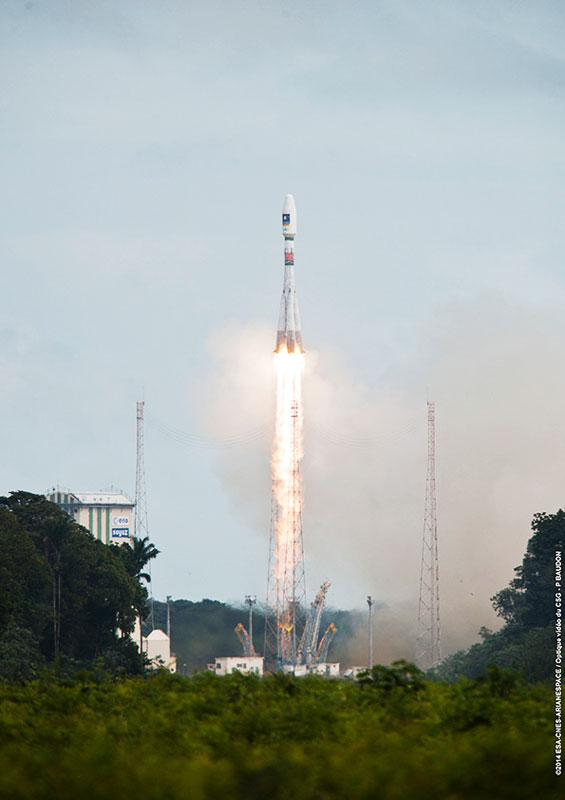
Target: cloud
[{"x": 494, "y": 372}]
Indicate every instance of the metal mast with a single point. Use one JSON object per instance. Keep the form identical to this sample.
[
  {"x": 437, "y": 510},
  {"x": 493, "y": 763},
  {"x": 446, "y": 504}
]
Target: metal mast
[
  {"x": 370, "y": 603},
  {"x": 250, "y": 600},
  {"x": 428, "y": 654},
  {"x": 169, "y": 598},
  {"x": 140, "y": 530}
]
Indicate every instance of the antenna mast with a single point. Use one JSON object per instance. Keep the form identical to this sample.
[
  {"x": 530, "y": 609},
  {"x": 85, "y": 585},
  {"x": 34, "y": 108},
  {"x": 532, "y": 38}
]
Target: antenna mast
[
  {"x": 140, "y": 529},
  {"x": 370, "y": 603},
  {"x": 428, "y": 643}
]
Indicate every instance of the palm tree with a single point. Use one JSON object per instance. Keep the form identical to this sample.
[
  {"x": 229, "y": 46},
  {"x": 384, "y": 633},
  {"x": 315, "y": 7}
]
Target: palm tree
[
  {"x": 135, "y": 557},
  {"x": 142, "y": 552}
]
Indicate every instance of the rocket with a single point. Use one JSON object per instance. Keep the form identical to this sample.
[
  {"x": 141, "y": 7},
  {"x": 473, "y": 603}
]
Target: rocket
[{"x": 289, "y": 332}]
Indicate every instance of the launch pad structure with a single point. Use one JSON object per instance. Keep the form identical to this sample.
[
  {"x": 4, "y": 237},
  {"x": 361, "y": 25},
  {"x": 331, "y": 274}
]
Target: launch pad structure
[{"x": 292, "y": 634}]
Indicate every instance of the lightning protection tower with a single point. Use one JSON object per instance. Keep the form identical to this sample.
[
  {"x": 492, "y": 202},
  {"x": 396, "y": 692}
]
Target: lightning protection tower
[
  {"x": 140, "y": 530},
  {"x": 428, "y": 653}
]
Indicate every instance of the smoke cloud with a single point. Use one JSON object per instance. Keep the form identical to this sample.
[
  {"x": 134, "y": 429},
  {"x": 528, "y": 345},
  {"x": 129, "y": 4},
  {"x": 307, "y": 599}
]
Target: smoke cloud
[{"x": 493, "y": 370}]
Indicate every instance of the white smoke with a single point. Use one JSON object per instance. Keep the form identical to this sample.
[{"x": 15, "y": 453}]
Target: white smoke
[{"x": 494, "y": 374}]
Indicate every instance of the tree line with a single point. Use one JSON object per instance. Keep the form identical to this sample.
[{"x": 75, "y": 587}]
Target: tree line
[
  {"x": 65, "y": 598},
  {"x": 70, "y": 600},
  {"x": 526, "y": 641}
]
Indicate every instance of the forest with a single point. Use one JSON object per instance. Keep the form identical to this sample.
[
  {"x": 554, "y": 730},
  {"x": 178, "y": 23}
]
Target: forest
[
  {"x": 526, "y": 641},
  {"x": 70, "y": 600},
  {"x": 66, "y": 599}
]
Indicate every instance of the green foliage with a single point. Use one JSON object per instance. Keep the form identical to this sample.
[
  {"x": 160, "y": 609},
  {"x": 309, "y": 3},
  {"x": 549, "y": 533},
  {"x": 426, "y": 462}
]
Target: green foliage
[
  {"x": 245, "y": 738},
  {"x": 64, "y": 596},
  {"x": 529, "y": 601},
  {"x": 20, "y": 656},
  {"x": 400, "y": 676},
  {"x": 527, "y": 640},
  {"x": 135, "y": 557},
  {"x": 25, "y": 578}
]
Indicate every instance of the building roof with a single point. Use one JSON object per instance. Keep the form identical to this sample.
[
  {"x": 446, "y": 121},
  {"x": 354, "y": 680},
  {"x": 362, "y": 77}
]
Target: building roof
[
  {"x": 103, "y": 499},
  {"x": 239, "y": 658},
  {"x": 157, "y": 633}
]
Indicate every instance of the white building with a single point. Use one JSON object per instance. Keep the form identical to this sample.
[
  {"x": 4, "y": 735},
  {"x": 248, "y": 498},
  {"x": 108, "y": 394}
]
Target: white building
[
  {"x": 248, "y": 665},
  {"x": 299, "y": 670},
  {"x": 157, "y": 648},
  {"x": 107, "y": 515},
  {"x": 327, "y": 669}
]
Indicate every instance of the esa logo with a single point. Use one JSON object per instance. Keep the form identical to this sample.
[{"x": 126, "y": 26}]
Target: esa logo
[{"x": 119, "y": 521}]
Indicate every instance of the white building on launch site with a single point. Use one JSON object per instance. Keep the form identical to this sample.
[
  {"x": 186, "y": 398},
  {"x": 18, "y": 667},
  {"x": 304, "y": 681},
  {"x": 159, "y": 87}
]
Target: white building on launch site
[
  {"x": 325, "y": 669},
  {"x": 248, "y": 665},
  {"x": 107, "y": 515},
  {"x": 157, "y": 648}
]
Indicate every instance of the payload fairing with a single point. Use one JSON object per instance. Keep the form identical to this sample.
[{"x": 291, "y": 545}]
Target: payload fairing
[{"x": 289, "y": 332}]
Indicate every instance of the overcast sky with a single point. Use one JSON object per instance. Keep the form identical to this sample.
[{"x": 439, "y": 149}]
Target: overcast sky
[{"x": 146, "y": 148}]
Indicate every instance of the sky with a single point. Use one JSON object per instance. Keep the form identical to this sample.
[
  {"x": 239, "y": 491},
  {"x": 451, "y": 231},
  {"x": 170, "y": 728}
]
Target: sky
[{"x": 145, "y": 151}]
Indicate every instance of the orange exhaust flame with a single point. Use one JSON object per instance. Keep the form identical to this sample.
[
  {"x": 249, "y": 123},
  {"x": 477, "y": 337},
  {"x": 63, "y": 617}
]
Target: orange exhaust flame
[{"x": 288, "y": 449}]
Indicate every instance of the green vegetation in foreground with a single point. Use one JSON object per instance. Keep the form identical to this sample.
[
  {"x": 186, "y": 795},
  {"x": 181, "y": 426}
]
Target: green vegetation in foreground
[
  {"x": 526, "y": 642},
  {"x": 172, "y": 738}
]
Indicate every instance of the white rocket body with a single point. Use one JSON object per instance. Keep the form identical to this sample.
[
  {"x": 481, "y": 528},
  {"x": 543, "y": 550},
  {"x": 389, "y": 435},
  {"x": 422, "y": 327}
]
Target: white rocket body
[{"x": 289, "y": 331}]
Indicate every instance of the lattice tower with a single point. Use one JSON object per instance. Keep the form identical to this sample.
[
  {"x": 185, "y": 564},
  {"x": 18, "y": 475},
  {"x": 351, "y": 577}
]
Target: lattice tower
[
  {"x": 428, "y": 653},
  {"x": 140, "y": 529}
]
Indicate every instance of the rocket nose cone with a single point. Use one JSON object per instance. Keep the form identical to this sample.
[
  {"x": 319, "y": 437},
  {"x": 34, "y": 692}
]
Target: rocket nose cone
[{"x": 288, "y": 206}]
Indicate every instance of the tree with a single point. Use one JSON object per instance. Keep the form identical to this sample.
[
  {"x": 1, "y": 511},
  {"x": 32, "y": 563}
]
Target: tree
[
  {"x": 58, "y": 533},
  {"x": 400, "y": 676},
  {"x": 25, "y": 579},
  {"x": 100, "y": 598},
  {"x": 527, "y": 606},
  {"x": 20, "y": 656},
  {"x": 134, "y": 559},
  {"x": 529, "y": 600},
  {"x": 72, "y": 593},
  {"x": 50, "y": 528},
  {"x": 136, "y": 556}
]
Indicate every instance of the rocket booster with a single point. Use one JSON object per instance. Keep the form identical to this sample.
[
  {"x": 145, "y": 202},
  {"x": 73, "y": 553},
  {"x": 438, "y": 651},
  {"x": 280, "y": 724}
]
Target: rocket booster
[{"x": 289, "y": 332}]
